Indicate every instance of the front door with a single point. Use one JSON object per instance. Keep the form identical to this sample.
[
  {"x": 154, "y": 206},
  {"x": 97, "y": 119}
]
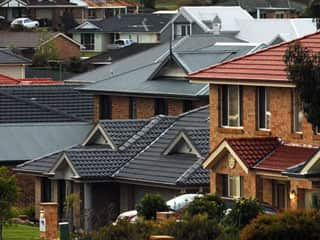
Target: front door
[{"x": 280, "y": 195}]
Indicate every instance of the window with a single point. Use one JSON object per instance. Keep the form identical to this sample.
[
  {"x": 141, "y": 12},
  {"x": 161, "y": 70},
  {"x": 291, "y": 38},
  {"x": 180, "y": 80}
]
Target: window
[
  {"x": 105, "y": 107},
  {"x": 87, "y": 39},
  {"x": 264, "y": 114},
  {"x": 232, "y": 186},
  {"x": 187, "y": 105},
  {"x": 160, "y": 107},
  {"x": 45, "y": 190},
  {"x": 132, "y": 108},
  {"x": 231, "y": 106},
  {"x": 297, "y": 114},
  {"x": 92, "y": 13},
  {"x": 183, "y": 30},
  {"x": 279, "y": 14}
]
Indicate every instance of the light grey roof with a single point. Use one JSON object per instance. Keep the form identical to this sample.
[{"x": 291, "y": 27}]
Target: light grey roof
[
  {"x": 21, "y": 142},
  {"x": 139, "y": 74}
]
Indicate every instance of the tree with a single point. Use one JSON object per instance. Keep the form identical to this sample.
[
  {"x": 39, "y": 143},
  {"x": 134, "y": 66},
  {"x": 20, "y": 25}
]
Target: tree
[
  {"x": 8, "y": 195},
  {"x": 313, "y": 11},
  {"x": 304, "y": 70},
  {"x": 150, "y": 204}
]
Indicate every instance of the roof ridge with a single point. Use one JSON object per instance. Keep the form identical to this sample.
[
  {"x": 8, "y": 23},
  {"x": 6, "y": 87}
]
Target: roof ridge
[
  {"x": 181, "y": 115},
  {"x": 192, "y": 75}
]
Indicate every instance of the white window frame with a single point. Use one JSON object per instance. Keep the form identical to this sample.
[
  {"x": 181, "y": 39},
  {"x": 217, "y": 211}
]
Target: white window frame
[
  {"x": 266, "y": 111},
  {"x": 238, "y": 186},
  {"x": 228, "y": 109}
]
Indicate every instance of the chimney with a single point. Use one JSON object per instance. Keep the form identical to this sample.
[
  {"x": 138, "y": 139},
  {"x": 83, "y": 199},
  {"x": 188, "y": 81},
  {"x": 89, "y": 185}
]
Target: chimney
[{"x": 216, "y": 25}]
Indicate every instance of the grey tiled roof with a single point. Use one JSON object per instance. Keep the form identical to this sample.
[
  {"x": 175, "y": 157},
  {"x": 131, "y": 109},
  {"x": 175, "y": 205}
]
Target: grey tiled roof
[
  {"x": 191, "y": 53},
  {"x": 139, "y": 155},
  {"x": 50, "y": 103},
  {"x": 8, "y": 57},
  {"x": 153, "y": 166}
]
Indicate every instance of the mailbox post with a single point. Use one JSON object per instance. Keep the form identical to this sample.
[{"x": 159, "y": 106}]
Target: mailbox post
[{"x": 48, "y": 221}]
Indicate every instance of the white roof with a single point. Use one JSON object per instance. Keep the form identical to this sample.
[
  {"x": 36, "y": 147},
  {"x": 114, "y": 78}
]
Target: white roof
[
  {"x": 227, "y": 15},
  {"x": 267, "y": 30}
]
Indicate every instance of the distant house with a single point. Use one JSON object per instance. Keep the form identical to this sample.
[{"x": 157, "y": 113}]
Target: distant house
[
  {"x": 26, "y": 43},
  {"x": 6, "y": 80},
  {"x": 154, "y": 81},
  {"x": 119, "y": 161},
  {"x": 11, "y": 9},
  {"x": 141, "y": 28},
  {"x": 12, "y": 64},
  {"x": 269, "y": 8}
]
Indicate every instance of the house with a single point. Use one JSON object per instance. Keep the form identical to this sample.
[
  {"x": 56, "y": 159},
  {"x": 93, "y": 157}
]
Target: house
[
  {"x": 120, "y": 160},
  {"x": 237, "y": 22},
  {"x": 27, "y": 43},
  {"x": 97, "y": 35},
  {"x": 36, "y": 119},
  {"x": 13, "y": 65},
  {"x": 261, "y": 144},
  {"x": 11, "y": 9},
  {"x": 269, "y": 8},
  {"x": 154, "y": 82}
]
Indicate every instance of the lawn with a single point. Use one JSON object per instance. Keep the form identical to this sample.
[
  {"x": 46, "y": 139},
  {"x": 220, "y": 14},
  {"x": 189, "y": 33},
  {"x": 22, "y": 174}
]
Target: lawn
[{"x": 20, "y": 232}]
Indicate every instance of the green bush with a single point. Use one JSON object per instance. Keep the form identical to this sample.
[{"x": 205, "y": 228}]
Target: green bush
[
  {"x": 243, "y": 211},
  {"x": 28, "y": 211},
  {"x": 150, "y": 204},
  {"x": 212, "y": 205},
  {"x": 198, "y": 227},
  {"x": 294, "y": 225}
]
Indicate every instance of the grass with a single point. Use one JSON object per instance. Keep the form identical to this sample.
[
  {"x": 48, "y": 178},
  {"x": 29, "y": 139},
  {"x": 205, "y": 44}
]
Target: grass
[
  {"x": 20, "y": 232},
  {"x": 89, "y": 54},
  {"x": 166, "y": 5}
]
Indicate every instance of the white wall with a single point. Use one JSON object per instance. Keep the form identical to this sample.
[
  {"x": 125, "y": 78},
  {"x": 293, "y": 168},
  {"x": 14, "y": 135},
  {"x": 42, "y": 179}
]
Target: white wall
[
  {"x": 101, "y": 41},
  {"x": 141, "y": 38},
  {"x": 15, "y": 71}
]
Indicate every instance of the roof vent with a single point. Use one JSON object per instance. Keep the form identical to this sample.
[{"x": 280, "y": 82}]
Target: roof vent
[{"x": 216, "y": 25}]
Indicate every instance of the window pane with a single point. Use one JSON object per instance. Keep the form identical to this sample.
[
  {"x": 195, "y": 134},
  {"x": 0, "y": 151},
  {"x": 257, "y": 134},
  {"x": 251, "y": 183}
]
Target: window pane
[
  {"x": 234, "y": 117},
  {"x": 297, "y": 114},
  {"x": 234, "y": 186},
  {"x": 224, "y": 106},
  {"x": 262, "y": 107}
]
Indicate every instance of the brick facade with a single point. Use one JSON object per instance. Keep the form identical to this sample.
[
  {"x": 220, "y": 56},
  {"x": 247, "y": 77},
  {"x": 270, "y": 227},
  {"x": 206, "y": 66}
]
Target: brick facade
[
  {"x": 145, "y": 107},
  {"x": 281, "y": 109}
]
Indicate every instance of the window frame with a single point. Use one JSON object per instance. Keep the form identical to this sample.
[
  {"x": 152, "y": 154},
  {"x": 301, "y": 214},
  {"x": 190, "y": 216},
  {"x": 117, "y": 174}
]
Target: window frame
[
  {"x": 226, "y": 104},
  {"x": 90, "y": 45},
  {"x": 267, "y": 113}
]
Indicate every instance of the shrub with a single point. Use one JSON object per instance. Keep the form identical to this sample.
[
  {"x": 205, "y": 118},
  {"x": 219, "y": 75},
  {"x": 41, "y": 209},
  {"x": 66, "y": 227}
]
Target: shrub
[
  {"x": 150, "y": 204},
  {"x": 294, "y": 225},
  {"x": 28, "y": 211},
  {"x": 212, "y": 205},
  {"x": 243, "y": 211},
  {"x": 192, "y": 228}
]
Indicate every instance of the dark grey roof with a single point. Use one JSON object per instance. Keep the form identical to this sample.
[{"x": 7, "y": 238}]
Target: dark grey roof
[
  {"x": 153, "y": 166},
  {"x": 129, "y": 23},
  {"x": 46, "y": 103},
  {"x": 138, "y": 74},
  {"x": 139, "y": 154},
  {"x": 8, "y": 57},
  {"x": 113, "y": 55},
  {"x": 21, "y": 142}
]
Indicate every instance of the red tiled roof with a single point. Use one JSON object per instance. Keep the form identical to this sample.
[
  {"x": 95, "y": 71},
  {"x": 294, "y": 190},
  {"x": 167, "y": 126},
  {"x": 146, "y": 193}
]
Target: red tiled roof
[
  {"x": 113, "y": 3},
  {"x": 286, "y": 156},
  {"x": 252, "y": 150},
  {"x": 7, "y": 80},
  {"x": 265, "y": 65}
]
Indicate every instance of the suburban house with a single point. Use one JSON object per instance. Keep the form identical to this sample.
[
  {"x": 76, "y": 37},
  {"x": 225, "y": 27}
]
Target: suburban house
[
  {"x": 27, "y": 43},
  {"x": 269, "y": 8},
  {"x": 37, "y": 119},
  {"x": 13, "y": 65},
  {"x": 119, "y": 161},
  {"x": 237, "y": 22},
  {"x": 136, "y": 88},
  {"x": 261, "y": 144},
  {"x": 7, "y": 80},
  {"x": 11, "y": 9},
  {"x": 98, "y": 35}
]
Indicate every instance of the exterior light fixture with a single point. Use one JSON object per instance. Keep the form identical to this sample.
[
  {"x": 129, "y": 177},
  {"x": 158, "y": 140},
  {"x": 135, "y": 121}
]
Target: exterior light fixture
[{"x": 293, "y": 195}]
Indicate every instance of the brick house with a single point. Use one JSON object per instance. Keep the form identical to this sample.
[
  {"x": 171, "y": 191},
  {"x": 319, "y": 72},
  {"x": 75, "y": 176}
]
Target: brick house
[
  {"x": 27, "y": 43},
  {"x": 262, "y": 146},
  {"x": 136, "y": 88}
]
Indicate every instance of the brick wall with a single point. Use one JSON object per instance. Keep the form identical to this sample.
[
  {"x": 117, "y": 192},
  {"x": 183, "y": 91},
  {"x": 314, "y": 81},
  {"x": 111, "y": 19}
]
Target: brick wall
[
  {"x": 281, "y": 118},
  {"x": 120, "y": 107},
  {"x": 65, "y": 48},
  {"x": 175, "y": 107},
  {"x": 145, "y": 107}
]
